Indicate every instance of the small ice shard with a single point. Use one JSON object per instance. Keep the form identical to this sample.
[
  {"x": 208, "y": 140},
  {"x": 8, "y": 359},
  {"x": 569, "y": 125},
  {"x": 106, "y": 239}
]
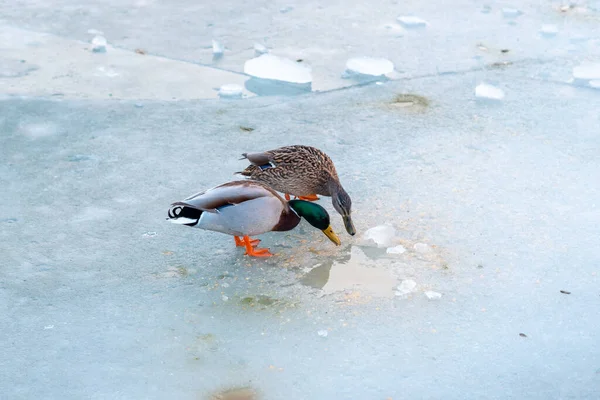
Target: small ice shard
[
  {"x": 549, "y": 30},
  {"x": 286, "y": 9},
  {"x": 49, "y": 327},
  {"x": 393, "y": 30},
  {"x": 382, "y": 235},
  {"x": 421, "y": 247},
  {"x": 139, "y": 105},
  {"x": 508, "y": 12},
  {"x": 372, "y": 66},
  {"x": 150, "y": 234},
  {"x": 231, "y": 91},
  {"x": 260, "y": 49},
  {"x": 396, "y": 250},
  {"x": 217, "y": 48},
  {"x": 431, "y": 295},
  {"x": 486, "y": 91},
  {"x": 410, "y": 21},
  {"x": 224, "y": 298},
  {"x": 322, "y": 333},
  {"x": 268, "y": 66},
  {"x": 405, "y": 287},
  {"x": 99, "y": 44},
  {"x": 587, "y": 72}
]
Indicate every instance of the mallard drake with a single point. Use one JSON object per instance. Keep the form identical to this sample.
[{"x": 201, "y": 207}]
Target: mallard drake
[
  {"x": 302, "y": 171},
  {"x": 248, "y": 208}
]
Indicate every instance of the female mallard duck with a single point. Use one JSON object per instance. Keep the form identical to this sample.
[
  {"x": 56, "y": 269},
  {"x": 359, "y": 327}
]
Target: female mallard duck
[
  {"x": 302, "y": 171},
  {"x": 248, "y": 208}
]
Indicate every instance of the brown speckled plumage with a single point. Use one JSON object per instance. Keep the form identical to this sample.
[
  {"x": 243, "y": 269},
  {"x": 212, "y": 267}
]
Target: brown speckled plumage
[{"x": 298, "y": 170}]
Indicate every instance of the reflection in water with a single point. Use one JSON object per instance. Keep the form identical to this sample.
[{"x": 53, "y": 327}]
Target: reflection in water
[{"x": 354, "y": 271}]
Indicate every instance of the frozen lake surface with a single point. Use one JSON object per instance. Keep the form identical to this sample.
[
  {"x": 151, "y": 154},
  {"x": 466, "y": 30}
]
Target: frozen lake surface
[{"x": 481, "y": 279}]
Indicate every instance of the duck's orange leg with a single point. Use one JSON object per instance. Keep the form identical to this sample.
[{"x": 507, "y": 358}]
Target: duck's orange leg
[
  {"x": 310, "y": 197},
  {"x": 240, "y": 243},
  {"x": 251, "y": 251},
  {"x": 287, "y": 197}
]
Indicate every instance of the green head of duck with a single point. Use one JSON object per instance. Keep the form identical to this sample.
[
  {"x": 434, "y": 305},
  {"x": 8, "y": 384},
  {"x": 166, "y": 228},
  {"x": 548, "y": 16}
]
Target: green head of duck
[{"x": 315, "y": 215}]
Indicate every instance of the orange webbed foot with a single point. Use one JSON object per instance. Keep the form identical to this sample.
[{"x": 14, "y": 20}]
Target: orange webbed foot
[
  {"x": 310, "y": 197},
  {"x": 254, "y": 252},
  {"x": 287, "y": 197},
  {"x": 240, "y": 242}
]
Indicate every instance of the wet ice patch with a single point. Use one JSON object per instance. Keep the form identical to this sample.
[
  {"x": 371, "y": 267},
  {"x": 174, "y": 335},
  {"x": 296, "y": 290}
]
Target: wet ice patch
[
  {"x": 412, "y": 22},
  {"x": 489, "y": 92},
  {"x": 39, "y": 129},
  {"x": 231, "y": 91},
  {"x": 268, "y": 66},
  {"x": 368, "y": 66},
  {"x": 99, "y": 44}
]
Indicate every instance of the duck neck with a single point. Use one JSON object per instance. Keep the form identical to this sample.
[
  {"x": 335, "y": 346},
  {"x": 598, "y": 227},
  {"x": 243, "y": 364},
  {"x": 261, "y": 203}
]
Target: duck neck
[{"x": 288, "y": 221}]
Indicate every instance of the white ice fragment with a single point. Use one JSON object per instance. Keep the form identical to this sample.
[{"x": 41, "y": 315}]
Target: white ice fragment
[
  {"x": 217, "y": 48},
  {"x": 410, "y": 21},
  {"x": 405, "y": 287},
  {"x": 595, "y": 84},
  {"x": 224, "y": 298},
  {"x": 421, "y": 247},
  {"x": 268, "y": 66},
  {"x": 373, "y": 66},
  {"x": 231, "y": 90},
  {"x": 260, "y": 49},
  {"x": 382, "y": 235},
  {"x": 150, "y": 234},
  {"x": 396, "y": 250},
  {"x": 393, "y": 30},
  {"x": 431, "y": 295},
  {"x": 587, "y": 72},
  {"x": 549, "y": 30},
  {"x": 99, "y": 44},
  {"x": 508, "y": 12},
  {"x": 322, "y": 333},
  {"x": 139, "y": 105},
  {"x": 486, "y": 91},
  {"x": 49, "y": 327},
  {"x": 95, "y": 32}
]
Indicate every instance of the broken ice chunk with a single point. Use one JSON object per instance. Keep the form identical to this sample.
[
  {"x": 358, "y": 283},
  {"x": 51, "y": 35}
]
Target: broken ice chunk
[
  {"x": 268, "y": 66},
  {"x": 217, "y": 48},
  {"x": 260, "y": 49},
  {"x": 410, "y": 21},
  {"x": 372, "y": 66},
  {"x": 587, "y": 72},
  {"x": 405, "y": 287},
  {"x": 508, "y": 12},
  {"x": 231, "y": 91},
  {"x": 431, "y": 295},
  {"x": 595, "y": 84},
  {"x": 486, "y": 91},
  {"x": 99, "y": 44},
  {"x": 382, "y": 235},
  {"x": 322, "y": 333},
  {"x": 396, "y": 250},
  {"x": 548, "y": 30}
]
